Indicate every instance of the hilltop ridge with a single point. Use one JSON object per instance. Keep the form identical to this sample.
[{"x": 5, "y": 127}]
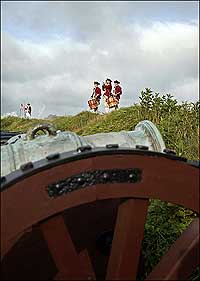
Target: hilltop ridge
[{"x": 178, "y": 124}]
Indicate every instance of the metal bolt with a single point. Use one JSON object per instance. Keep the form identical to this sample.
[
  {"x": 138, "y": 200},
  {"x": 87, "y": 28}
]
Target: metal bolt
[
  {"x": 3, "y": 179},
  {"x": 142, "y": 147},
  {"x": 80, "y": 180},
  {"x": 26, "y": 166},
  {"x": 84, "y": 148},
  {"x": 53, "y": 156},
  {"x": 106, "y": 176},
  {"x": 169, "y": 151},
  {"x": 112, "y": 145},
  {"x": 195, "y": 163}
]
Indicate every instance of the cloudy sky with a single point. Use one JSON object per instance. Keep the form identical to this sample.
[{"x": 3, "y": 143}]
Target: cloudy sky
[{"x": 53, "y": 51}]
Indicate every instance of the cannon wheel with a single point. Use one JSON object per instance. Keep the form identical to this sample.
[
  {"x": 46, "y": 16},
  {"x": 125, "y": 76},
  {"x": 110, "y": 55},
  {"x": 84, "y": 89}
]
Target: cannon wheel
[{"x": 76, "y": 201}]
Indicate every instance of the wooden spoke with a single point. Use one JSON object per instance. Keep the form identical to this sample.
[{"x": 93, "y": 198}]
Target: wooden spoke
[
  {"x": 62, "y": 250},
  {"x": 181, "y": 259},
  {"x": 86, "y": 263},
  {"x": 61, "y": 276},
  {"x": 128, "y": 235}
]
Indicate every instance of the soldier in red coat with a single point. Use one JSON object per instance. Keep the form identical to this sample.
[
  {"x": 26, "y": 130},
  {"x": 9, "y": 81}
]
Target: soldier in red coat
[
  {"x": 107, "y": 88},
  {"x": 117, "y": 91},
  {"x": 96, "y": 91},
  {"x": 96, "y": 94}
]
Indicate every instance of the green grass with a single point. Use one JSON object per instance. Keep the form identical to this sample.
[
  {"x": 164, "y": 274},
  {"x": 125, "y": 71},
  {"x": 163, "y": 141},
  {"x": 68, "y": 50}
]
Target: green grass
[{"x": 179, "y": 126}]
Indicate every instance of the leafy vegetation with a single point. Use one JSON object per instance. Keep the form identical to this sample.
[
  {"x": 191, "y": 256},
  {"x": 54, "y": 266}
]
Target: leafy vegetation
[
  {"x": 164, "y": 224},
  {"x": 179, "y": 126}
]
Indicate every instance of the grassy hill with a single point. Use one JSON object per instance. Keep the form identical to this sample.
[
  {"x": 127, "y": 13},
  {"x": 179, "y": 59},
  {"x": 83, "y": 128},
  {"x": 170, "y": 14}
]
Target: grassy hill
[{"x": 179, "y": 126}]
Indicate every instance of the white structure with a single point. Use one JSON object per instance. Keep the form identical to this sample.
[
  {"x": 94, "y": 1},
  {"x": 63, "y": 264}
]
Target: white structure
[{"x": 28, "y": 147}]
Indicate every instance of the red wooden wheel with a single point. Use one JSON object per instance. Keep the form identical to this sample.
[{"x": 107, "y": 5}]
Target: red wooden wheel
[{"x": 71, "y": 224}]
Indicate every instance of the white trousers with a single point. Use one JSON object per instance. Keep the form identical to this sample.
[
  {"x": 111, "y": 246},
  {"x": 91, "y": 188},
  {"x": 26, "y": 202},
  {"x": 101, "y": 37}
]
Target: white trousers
[
  {"x": 107, "y": 109},
  {"x": 27, "y": 115}
]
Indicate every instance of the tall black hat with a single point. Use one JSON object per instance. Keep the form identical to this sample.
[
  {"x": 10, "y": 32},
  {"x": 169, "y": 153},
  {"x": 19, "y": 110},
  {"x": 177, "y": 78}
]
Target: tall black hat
[
  {"x": 116, "y": 81},
  {"x": 96, "y": 83}
]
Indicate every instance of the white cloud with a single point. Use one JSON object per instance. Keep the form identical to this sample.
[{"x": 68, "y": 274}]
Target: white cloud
[
  {"x": 187, "y": 90},
  {"x": 58, "y": 74},
  {"x": 169, "y": 37}
]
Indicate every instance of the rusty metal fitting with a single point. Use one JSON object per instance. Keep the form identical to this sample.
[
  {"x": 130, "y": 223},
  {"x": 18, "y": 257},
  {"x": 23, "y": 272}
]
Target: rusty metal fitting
[{"x": 31, "y": 133}]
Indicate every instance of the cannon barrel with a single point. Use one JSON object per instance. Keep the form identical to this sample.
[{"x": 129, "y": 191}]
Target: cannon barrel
[
  {"x": 5, "y": 136},
  {"x": 30, "y": 147}
]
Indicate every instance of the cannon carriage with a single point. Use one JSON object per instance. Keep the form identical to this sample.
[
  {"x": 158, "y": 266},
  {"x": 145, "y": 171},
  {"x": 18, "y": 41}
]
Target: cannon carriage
[{"x": 74, "y": 208}]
